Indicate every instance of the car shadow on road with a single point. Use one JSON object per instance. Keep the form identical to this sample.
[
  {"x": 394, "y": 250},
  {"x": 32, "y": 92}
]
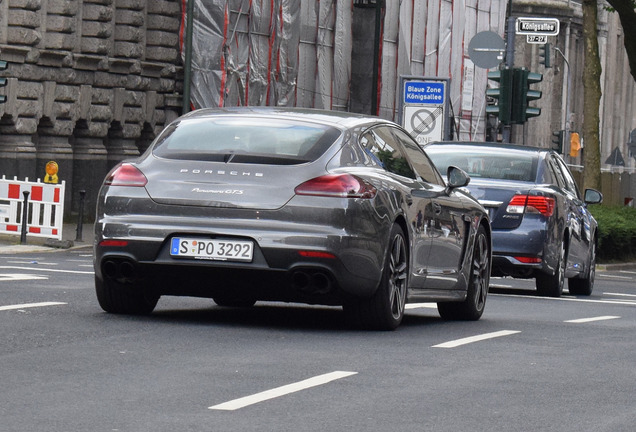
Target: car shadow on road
[
  {"x": 268, "y": 315},
  {"x": 513, "y": 291}
]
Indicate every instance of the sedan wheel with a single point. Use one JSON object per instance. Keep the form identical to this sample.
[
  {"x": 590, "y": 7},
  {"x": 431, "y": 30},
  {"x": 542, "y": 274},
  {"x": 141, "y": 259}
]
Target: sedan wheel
[
  {"x": 385, "y": 309},
  {"x": 585, "y": 285},
  {"x": 118, "y": 298},
  {"x": 473, "y": 306},
  {"x": 552, "y": 285}
]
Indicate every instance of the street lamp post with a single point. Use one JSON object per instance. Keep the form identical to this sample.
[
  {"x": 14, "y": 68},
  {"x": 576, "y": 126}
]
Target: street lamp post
[
  {"x": 567, "y": 99},
  {"x": 187, "y": 67}
]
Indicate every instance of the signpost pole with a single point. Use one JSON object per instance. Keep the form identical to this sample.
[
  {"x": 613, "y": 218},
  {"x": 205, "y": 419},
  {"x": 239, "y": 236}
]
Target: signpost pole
[{"x": 510, "y": 62}]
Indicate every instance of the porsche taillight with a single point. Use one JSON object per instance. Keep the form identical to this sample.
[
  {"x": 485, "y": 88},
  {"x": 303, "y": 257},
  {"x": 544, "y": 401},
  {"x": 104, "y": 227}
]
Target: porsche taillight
[
  {"x": 337, "y": 185},
  {"x": 531, "y": 204},
  {"x": 126, "y": 174}
]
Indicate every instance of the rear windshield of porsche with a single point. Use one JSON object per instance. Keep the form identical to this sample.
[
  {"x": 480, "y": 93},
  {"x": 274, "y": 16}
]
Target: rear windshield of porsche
[
  {"x": 492, "y": 163},
  {"x": 245, "y": 140}
]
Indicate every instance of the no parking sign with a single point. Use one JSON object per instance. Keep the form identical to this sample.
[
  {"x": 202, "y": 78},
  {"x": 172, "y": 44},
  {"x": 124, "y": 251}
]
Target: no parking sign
[{"x": 424, "y": 109}]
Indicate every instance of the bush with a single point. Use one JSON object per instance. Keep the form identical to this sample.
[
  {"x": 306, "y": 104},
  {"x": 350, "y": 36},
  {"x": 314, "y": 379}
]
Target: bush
[{"x": 616, "y": 232}]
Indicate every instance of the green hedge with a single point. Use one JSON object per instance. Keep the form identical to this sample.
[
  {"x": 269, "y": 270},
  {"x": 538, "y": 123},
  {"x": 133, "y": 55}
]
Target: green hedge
[{"x": 617, "y": 232}]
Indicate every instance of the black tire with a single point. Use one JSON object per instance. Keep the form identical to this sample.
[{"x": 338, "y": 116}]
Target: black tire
[
  {"x": 385, "y": 309},
  {"x": 234, "y": 302},
  {"x": 472, "y": 308},
  {"x": 117, "y": 298},
  {"x": 551, "y": 285},
  {"x": 585, "y": 285}
]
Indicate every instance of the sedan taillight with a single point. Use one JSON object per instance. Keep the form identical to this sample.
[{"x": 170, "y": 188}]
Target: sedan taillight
[
  {"x": 337, "y": 185},
  {"x": 126, "y": 174},
  {"x": 531, "y": 204}
]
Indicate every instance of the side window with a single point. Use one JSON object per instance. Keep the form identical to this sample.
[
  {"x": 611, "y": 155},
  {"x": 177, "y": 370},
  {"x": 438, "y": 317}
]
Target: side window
[
  {"x": 560, "y": 180},
  {"x": 569, "y": 180},
  {"x": 548, "y": 176},
  {"x": 422, "y": 164},
  {"x": 380, "y": 146}
]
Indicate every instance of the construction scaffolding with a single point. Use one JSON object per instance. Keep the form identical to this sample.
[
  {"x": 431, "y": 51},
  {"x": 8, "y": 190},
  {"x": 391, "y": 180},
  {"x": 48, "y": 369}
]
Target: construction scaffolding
[{"x": 299, "y": 53}]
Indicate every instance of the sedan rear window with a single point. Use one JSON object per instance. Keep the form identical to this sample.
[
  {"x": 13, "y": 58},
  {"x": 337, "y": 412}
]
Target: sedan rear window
[
  {"x": 241, "y": 140},
  {"x": 502, "y": 165}
]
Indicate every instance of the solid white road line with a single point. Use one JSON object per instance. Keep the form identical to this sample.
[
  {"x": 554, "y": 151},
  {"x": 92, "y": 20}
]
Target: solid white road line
[
  {"x": 20, "y": 277},
  {"x": 485, "y": 336},
  {"x": 572, "y": 299},
  {"x": 30, "y": 305},
  {"x": 592, "y": 319},
  {"x": 281, "y": 391},
  {"x": 615, "y": 277},
  {"x": 620, "y": 294},
  {"x": 33, "y": 262},
  {"x": 47, "y": 270}
]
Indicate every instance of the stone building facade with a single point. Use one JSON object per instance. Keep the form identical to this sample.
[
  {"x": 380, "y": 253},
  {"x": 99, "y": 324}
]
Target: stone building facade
[{"x": 90, "y": 82}]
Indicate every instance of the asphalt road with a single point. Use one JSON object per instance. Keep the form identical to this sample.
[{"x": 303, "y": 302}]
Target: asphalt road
[{"x": 530, "y": 363}]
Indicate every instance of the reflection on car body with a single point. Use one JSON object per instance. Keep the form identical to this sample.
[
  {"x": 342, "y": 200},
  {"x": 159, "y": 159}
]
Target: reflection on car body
[
  {"x": 248, "y": 204},
  {"x": 541, "y": 226}
]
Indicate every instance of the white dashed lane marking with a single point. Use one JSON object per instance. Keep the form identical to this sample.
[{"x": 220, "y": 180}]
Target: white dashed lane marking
[
  {"x": 464, "y": 341},
  {"x": 592, "y": 319},
  {"x": 281, "y": 391},
  {"x": 30, "y": 305}
]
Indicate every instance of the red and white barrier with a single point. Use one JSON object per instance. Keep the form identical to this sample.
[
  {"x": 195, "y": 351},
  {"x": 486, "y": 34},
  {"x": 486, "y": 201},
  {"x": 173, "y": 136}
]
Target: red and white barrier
[{"x": 45, "y": 205}]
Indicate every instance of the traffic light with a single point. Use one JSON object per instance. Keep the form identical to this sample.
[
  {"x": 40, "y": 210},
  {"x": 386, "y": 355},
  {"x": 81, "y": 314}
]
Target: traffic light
[
  {"x": 522, "y": 95},
  {"x": 557, "y": 141},
  {"x": 503, "y": 94},
  {"x": 544, "y": 55},
  {"x": 3, "y": 81}
]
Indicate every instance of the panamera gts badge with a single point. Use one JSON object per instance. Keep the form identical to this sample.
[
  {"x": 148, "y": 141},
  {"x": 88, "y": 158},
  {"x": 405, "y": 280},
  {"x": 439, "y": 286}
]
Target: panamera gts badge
[{"x": 219, "y": 191}]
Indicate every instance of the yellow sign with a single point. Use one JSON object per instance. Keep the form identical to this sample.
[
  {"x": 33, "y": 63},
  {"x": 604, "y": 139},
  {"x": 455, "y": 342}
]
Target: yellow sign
[
  {"x": 51, "y": 172},
  {"x": 575, "y": 144}
]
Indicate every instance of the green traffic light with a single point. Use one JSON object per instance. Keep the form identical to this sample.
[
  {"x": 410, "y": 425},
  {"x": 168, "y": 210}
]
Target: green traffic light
[
  {"x": 3, "y": 81},
  {"x": 503, "y": 94},
  {"x": 544, "y": 55},
  {"x": 522, "y": 95},
  {"x": 557, "y": 140}
]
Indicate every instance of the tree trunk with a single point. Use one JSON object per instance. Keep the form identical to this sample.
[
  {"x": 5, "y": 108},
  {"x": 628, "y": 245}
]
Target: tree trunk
[{"x": 591, "y": 97}]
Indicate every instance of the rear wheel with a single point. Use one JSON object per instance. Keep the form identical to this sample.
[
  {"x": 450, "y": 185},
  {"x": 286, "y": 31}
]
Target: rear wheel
[
  {"x": 585, "y": 285},
  {"x": 118, "y": 298},
  {"x": 473, "y": 306},
  {"x": 385, "y": 309},
  {"x": 552, "y": 285}
]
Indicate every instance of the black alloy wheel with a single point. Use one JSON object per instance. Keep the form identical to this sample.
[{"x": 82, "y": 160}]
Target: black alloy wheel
[{"x": 472, "y": 308}]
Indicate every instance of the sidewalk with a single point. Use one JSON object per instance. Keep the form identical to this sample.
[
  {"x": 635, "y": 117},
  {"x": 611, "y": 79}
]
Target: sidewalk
[{"x": 10, "y": 243}]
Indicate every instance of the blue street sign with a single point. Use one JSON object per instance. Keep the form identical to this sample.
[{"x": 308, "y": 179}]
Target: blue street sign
[{"x": 423, "y": 92}]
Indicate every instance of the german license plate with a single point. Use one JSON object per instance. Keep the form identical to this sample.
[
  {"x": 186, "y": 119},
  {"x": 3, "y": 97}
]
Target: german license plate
[{"x": 212, "y": 249}]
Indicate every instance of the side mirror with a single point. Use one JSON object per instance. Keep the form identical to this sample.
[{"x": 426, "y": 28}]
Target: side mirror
[
  {"x": 456, "y": 177},
  {"x": 592, "y": 196}
]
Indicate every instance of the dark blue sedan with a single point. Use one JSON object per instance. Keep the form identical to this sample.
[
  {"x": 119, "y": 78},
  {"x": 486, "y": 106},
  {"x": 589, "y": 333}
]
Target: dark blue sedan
[{"x": 541, "y": 227}]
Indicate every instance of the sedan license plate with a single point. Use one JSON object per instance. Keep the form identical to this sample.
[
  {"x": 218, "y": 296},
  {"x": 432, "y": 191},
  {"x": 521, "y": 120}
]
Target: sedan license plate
[{"x": 212, "y": 249}]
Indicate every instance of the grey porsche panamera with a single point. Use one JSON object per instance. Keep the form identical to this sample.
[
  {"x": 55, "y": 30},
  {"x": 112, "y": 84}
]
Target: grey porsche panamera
[{"x": 276, "y": 204}]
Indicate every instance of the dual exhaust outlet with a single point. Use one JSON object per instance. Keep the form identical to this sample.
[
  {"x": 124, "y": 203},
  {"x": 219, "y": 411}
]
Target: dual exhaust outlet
[
  {"x": 308, "y": 281},
  {"x": 120, "y": 269},
  {"x": 311, "y": 281}
]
